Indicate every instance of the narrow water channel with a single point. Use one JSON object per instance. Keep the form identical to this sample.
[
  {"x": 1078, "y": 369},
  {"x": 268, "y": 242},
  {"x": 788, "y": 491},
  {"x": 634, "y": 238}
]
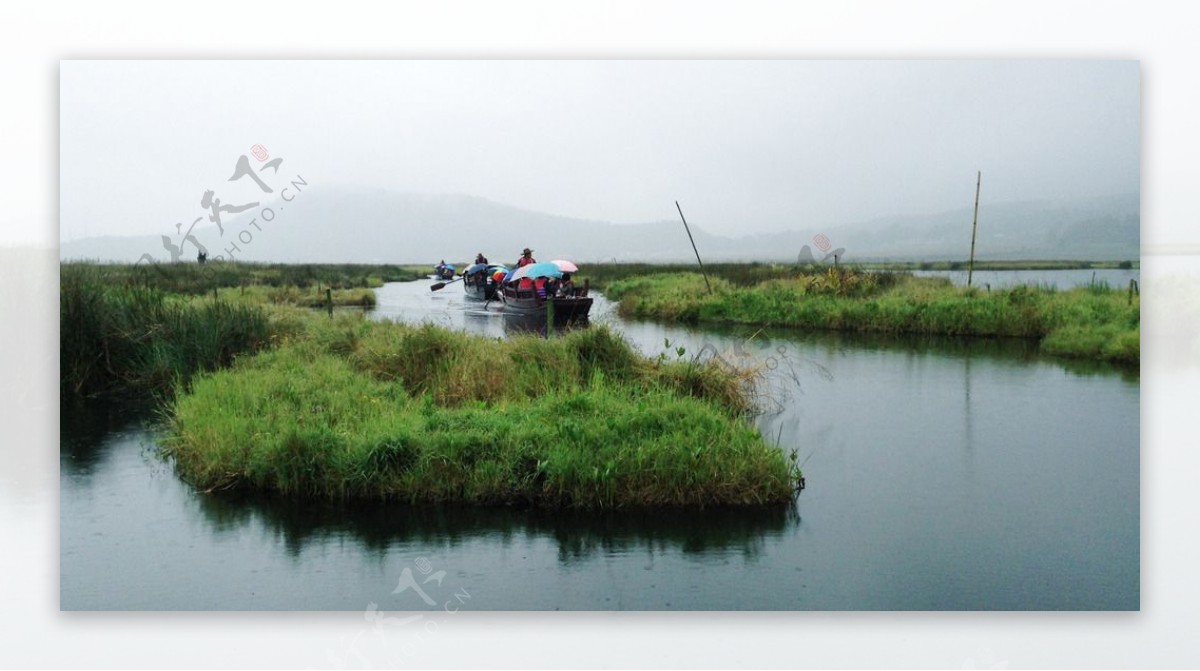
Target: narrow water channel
[{"x": 942, "y": 474}]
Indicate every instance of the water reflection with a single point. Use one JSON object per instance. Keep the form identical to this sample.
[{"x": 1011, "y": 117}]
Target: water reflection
[
  {"x": 578, "y": 535},
  {"x": 801, "y": 348},
  {"x": 86, "y": 426}
]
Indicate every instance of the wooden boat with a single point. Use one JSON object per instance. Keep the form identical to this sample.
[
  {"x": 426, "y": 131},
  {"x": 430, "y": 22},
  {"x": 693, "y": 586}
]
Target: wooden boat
[
  {"x": 478, "y": 282},
  {"x": 529, "y": 298}
]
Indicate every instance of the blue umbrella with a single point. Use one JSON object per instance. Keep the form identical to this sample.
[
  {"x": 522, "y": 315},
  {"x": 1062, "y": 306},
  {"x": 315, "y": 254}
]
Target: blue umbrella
[{"x": 534, "y": 270}]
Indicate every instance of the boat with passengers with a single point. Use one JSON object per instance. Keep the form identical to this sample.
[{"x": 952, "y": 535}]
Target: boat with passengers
[
  {"x": 538, "y": 288},
  {"x": 482, "y": 280}
]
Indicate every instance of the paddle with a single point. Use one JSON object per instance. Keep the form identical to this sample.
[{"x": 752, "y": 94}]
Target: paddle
[
  {"x": 442, "y": 285},
  {"x": 495, "y": 296}
]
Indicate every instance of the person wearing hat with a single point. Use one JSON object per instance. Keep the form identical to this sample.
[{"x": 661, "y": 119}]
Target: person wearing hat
[{"x": 526, "y": 258}]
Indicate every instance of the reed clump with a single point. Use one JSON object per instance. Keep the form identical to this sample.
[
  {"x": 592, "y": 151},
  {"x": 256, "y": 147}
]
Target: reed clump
[
  {"x": 357, "y": 409},
  {"x": 122, "y": 340},
  {"x": 136, "y": 331}
]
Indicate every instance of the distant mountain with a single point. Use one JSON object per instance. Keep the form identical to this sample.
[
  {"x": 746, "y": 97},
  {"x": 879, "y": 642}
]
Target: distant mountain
[
  {"x": 1096, "y": 229},
  {"x": 378, "y": 226}
]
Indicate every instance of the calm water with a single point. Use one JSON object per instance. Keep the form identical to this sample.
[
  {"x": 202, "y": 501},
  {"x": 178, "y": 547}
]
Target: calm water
[
  {"x": 1059, "y": 279},
  {"x": 942, "y": 474}
]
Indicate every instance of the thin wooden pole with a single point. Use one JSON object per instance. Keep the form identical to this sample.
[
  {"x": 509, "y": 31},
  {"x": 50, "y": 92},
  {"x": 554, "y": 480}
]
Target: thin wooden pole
[
  {"x": 689, "y": 232},
  {"x": 974, "y": 227}
]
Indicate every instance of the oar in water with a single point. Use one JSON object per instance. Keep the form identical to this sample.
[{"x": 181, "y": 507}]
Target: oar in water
[{"x": 442, "y": 285}]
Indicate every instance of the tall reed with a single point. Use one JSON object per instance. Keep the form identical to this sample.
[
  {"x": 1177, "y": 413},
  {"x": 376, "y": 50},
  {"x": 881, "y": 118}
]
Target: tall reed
[{"x": 129, "y": 340}]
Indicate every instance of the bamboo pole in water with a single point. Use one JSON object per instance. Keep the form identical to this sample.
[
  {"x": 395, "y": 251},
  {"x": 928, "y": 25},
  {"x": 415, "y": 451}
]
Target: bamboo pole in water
[
  {"x": 689, "y": 232},
  {"x": 974, "y": 227}
]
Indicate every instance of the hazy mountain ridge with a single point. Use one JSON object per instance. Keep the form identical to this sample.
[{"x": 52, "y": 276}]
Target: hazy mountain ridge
[{"x": 380, "y": 226}]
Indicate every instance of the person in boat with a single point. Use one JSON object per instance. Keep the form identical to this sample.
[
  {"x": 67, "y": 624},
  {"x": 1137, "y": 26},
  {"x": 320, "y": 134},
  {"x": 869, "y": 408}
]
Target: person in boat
[
  {"x": 526, "y": 258},
  {"x": 480, "y": 258},
  {"x": 566, "y": 287}
]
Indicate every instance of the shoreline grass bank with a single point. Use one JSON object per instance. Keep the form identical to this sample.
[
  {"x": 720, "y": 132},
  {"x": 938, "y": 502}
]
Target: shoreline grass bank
[
  {"x": 602, "y": 275},
  {"x": 195, "y": 279},
  {"x": 1095, "y": 322}
]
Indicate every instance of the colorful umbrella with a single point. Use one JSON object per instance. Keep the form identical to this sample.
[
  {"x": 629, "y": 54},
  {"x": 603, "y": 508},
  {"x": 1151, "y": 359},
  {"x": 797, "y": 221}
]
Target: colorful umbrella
[
  {"x": 534, "y": 270},
  {"x": 566, "y": 266}
]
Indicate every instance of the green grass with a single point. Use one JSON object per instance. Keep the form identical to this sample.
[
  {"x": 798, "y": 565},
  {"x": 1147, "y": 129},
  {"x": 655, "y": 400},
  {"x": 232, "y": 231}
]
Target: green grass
[
  {"x": 129, "y": 340},
  {"x": 135, "y": 331},
  {"x": 1093, "y": 322},
  {"x": 197, "y": 279},
  {"x": 602, "y": 275},
  {"x": 306, "y": 297},
  {"x": 358, "y": 409}
]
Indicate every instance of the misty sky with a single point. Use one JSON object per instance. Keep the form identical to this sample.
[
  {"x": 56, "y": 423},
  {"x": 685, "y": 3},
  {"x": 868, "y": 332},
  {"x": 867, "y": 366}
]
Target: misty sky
[{"x": 745, "y": 146}]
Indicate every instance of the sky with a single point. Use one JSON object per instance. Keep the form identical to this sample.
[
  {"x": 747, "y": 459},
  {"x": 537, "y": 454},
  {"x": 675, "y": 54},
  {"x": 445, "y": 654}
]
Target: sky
[{"x": 744, "y": 146}]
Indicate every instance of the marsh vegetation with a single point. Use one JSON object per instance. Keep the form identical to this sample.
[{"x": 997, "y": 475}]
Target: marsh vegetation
[
  {"x": 1093, "y": 322},
  {"x": 129, "y": 330},
  {"x": 262, "y": 394}
]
